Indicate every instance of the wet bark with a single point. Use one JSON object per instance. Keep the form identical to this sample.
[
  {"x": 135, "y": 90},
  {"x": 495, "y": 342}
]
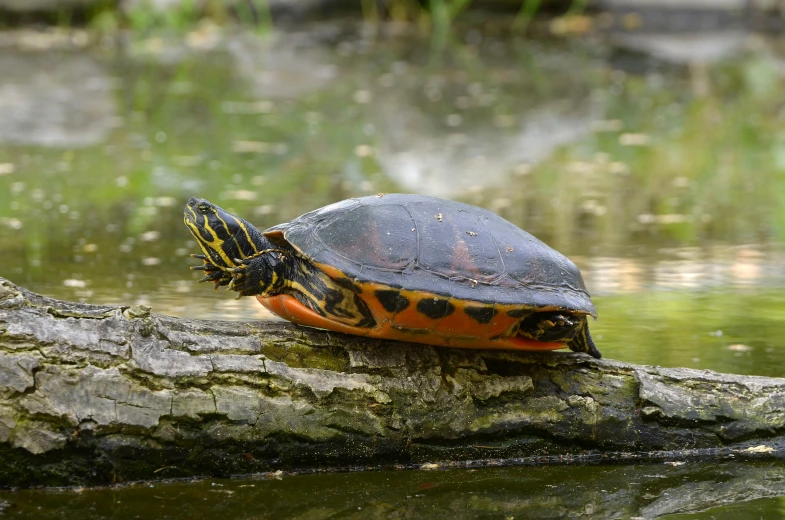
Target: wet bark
[{"x": 96, "y": 394}]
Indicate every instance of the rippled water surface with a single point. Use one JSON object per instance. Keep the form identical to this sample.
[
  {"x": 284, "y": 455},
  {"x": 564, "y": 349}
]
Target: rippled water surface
[{"x": 660, "y": 170}]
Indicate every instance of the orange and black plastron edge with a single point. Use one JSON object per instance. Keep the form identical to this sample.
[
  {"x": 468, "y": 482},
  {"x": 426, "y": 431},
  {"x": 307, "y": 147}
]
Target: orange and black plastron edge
[{"x": 289, "y": 308}]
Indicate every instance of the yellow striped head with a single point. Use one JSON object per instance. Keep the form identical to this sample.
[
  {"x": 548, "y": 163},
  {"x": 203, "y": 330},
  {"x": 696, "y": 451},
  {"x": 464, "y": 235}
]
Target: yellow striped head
[{"x": 221, "y": 236}]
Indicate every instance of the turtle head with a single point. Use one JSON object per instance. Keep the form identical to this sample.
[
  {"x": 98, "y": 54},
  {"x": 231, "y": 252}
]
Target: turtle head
[
  {"x": 236, "y": 254},
  {"x": 223, "y": 237}
]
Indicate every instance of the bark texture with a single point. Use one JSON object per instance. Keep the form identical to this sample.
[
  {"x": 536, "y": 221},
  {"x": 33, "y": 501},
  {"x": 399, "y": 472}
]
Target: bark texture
[{"x": 95, "y": 394}]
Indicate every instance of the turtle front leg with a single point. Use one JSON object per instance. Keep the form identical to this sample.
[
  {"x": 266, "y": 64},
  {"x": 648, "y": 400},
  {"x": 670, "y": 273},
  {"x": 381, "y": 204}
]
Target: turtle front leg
[
  {"x": 261, "y": 274},
  {"x": 212, "y": 273}
]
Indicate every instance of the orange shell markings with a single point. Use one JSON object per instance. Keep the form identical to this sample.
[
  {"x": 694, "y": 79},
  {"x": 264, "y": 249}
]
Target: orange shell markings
[
  {"x": 289, "y": 308},
  {"x": 457, "y": 328}
]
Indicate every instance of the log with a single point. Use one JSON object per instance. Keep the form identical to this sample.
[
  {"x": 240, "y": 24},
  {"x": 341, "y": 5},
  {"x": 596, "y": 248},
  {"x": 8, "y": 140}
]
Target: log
[{"x": 93, "y": 394}]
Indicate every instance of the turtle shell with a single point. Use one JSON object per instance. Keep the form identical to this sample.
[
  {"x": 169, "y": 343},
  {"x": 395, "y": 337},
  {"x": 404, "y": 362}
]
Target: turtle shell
[{"x": 424, "y": 245}]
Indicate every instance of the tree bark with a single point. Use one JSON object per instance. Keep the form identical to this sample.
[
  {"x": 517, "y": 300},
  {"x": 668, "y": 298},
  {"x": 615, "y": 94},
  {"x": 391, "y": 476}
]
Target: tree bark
[{"x": 98, "y": 394}]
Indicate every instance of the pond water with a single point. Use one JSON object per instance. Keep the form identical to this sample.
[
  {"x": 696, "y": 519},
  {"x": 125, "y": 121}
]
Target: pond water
[
  {"x": 659, "y": 169},
  {"x": 746, "y": 491}
]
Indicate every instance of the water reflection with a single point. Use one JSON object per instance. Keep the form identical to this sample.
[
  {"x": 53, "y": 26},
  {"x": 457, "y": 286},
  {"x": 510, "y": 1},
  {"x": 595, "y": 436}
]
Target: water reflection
[
  {"x": 648, "y": 491},
  {"x": 691, "y": 48},
  {"x": 282, "y": 66},
  {"x": 719, "y": 267},
  {"x": 462, "y": 153},
  {"x": 54, "y": 98}
]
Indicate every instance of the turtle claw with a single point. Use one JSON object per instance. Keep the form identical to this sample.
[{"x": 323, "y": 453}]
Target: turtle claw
[
  {"x": 212, "y": 277},
  {"x": 238, "y": 278},
  {"x": 207, "y": 266},
  {"x": 212, "y": 274},
  {"x": 233, "y": 278},
  {"x": 238, "y": 282}
]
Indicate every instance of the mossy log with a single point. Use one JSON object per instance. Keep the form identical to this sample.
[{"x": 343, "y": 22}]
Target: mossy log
[{"x": 95, "y": 394}]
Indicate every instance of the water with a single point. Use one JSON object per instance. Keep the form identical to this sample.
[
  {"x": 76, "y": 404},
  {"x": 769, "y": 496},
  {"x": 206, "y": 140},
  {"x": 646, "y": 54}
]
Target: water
[
  {"x": 659, "y": 173},
  {"x": 748, "y": 491}
]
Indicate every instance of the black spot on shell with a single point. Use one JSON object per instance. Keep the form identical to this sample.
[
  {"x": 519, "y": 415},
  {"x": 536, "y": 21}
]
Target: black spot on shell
[
  {"x": 392, "y": 301},
  {"x": 435, "y": 308},
  {"x": 480, "y": 314},
  {"x": 518, "y": 313}
]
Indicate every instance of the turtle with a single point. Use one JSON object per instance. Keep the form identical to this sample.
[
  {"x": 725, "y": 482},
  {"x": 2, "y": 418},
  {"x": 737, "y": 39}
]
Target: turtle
[{"x": 403, "y": 267}]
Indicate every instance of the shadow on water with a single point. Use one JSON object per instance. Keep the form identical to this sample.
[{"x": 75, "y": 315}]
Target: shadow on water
[{"x": 646, "y": 491}]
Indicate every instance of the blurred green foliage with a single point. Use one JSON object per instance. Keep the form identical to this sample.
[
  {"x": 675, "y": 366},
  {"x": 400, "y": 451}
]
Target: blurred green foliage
[
  {"x": 675, "y": 166},
  {"x": 713, "y": 165},
  {"x": 435, "y": 17}
]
